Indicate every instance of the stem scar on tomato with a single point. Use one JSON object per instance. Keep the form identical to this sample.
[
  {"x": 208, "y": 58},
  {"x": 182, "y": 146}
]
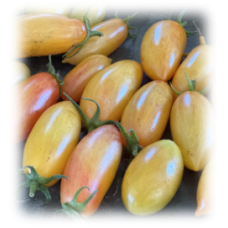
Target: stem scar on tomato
[
  {"x": 73, "y": 209},
  {"x": 192, "y": 86},
  {"x": 90, "y": 33},
  {"x": 179, "y": 18},
  {"x": 37, "y": 182}
]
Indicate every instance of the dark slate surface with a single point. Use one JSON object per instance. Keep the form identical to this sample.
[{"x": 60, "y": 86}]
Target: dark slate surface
[{"x": 184, "y": 202}]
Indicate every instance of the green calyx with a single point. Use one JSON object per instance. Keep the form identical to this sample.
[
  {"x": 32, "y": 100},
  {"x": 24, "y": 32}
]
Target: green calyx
[
  {"x": 73, "y": 209},
  {"x": 179, "y": 18},
  {"x": 51, "y": 70},
  {"x": 90, "y": 33},
  {"x": 94, "y": 122},
  {"x": 36, "y": 182},
  {"x": 126, "y": 20},
  {"x": 17, "y": 12},
  {"x": 192, "y": 86},
  {"x": 132, "y": 141}
]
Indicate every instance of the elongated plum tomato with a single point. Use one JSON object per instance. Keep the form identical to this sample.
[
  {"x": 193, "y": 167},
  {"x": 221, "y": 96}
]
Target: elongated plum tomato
[
  {"x": 114, "y": 31},
  {"x": 191, "y": 124},
  {"x": 148, "y": 111},
  {"x": 77, "y": 79},
  {"x": 198, "y": 65},
  {"x": 53, "y": 139},
  {"x": 59, "y": 7},
  {"x": 112, "y": 88},
  {"x": 18, "y": 72},
  {"x": 45, "y": 34},
  {"x": 95, "y": 14},
  {"x": 22, "y": 5},
  {"x": 152, "y": 178},
  {"x": 215, "y": 95},
  {"x": 35, "y": 95},
  {"x": 204, "y": 195},
  {"x": 162, "y": 48},
  {"x": 93, "y": 163}
]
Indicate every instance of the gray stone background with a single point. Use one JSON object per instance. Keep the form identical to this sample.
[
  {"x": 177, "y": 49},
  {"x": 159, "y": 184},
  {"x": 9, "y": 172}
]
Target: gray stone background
[{"x": 180, "y": 211}]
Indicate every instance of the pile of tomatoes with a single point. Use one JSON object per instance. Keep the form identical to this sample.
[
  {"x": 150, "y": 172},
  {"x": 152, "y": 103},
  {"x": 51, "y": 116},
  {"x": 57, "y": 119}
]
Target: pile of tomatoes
[{"x": 96, "y": 110}]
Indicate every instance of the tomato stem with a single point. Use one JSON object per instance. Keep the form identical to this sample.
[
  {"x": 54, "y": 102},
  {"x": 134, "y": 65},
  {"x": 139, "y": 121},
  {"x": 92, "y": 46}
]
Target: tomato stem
[
  {"x": 51, "y": 70},
  {"x": 126, "y": 20},
  {"x": 201, "y": 38},
  {"x": 36, "y": 182},
  {"x": 74, "y": 209},
  {"x": 132, "y": 142},
  {"x": 94, "y": 122},
  {"x": 192, "y": 86},
  {"x": 90, "y": 33},
  {"x": 179, "y": 18}
]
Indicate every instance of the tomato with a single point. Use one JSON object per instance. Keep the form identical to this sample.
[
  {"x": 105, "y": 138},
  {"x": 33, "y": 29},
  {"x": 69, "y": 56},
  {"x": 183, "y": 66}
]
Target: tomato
[
  {"x": 162, "y": 48},
  {"x": 152, "y": 178},
  {"x": 35, "y": 95},
  {"x": 22, "y": 5},
  {"x": 77, "y": 79},
  {"x": 205, "y": 192},
  {"x": 191, "y": 124},
  {"x": 148, "y": 111},
  {"x": 215, "y": 95},
  {"x": 52, "y": 140},
  {"x": 48, "y": 9},
  {"x": 95, "y": 15},
  {"x": 198, "y": 65},
  {"x": 93, "y": 163},
  {"x": 114, "y": 31},
  {"x": 44, "y": 34},
  {"x": 112, "y": 88},
  {"x": 21, "y": 72}
]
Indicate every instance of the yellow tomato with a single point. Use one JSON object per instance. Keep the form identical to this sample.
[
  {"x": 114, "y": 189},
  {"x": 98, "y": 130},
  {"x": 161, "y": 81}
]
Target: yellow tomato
[
  {"x": 162, "y": 48},
  {"x": 21, "y": 72},
  {"x": 77, "y": 79},
  {"x": 53, "y": 139},
  {"x": 112, "y": 88},
  {"x": 191, "y": 124},
  {"x": 22, "y": 5},
  {"x": 198, "y": 65},
  {"x": 45, "y": 34},
  {"x": 59, "y": 7},
  {"x": 215, "y": 95},
  {"x": 147, "y": 112},
  {"x": 95, "y": 14},
  {"x": 152, "y": 178},
  {"x": 205, "y": 191}
]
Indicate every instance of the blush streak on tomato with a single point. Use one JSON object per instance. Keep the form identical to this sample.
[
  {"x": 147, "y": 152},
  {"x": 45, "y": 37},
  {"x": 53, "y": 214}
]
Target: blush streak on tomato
[
  {"x": 36, "y": 94},
  {"x": 93, "y": 163}
]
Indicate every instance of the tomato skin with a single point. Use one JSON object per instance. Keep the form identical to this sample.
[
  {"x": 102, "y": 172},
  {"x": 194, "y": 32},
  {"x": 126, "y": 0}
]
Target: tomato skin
[
  {"x": 35, "y": 95},
  {"x": 22, "y": 5},
  {"x": 204, "y": 195},
  {"x": 162, "y": 48},
  {"x": 197, "y": 65},
  {"x": 53, "y": 139},
  {"x": 191, "y": 124},
  {"x": 77, "y": 79},
  {"x": 95, "y": 15},
  {"x": 93, "y": 163},
  {"x": 152, "y": 178},
  {"x": 45, "y": 34},
  {"x": 147, "y": 112},
  {"x": 112, "y": 88},
  {"x": 215, "y": 95},
  {"x": 115, "y": 32},
  {"x": 21, "y": 73},
  {"x": 59, "y": 7}
]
